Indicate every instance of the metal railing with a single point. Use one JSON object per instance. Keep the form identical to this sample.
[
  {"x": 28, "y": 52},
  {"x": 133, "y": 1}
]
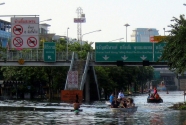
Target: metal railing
[
  {"x": 30, "y": 55},
  {"x": 70, "y": 69},
  {"x": 85, "y": 72},
  {"x": 96, "y": 81}
]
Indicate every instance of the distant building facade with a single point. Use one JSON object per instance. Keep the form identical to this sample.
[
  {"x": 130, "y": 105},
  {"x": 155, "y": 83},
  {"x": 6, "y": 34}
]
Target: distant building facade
[
  {"x": 5, "y": 32},
  {"x": 143, "y": 34}
]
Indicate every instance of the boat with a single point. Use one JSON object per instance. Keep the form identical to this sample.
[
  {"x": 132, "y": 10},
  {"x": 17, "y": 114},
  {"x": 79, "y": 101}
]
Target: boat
[
  {"x": 133, "y": 109},
  {"x": 153, "y": 100}
]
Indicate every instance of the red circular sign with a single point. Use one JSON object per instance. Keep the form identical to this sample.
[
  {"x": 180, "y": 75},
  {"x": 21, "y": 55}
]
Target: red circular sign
[
  {"x": 18, "y": 41},
  {"x": 17, "y": 29},
  {"x": 32, "y": 42}
]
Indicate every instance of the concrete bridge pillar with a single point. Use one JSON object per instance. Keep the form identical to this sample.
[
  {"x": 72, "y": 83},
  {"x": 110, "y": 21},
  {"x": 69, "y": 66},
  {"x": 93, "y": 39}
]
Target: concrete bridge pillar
[{"x": 87, "y": 87}]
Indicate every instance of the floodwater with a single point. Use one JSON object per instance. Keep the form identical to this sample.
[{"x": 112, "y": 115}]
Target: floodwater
[{"x": 32, "y": 113}]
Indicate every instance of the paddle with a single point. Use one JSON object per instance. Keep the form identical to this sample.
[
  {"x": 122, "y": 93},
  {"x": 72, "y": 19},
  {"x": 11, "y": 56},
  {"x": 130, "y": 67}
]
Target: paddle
[{"x": 80, "y": 110}]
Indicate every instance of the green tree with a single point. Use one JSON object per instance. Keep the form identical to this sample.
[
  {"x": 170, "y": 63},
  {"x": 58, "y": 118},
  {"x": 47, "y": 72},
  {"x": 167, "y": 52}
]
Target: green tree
[{"x": 175, "y": 50}]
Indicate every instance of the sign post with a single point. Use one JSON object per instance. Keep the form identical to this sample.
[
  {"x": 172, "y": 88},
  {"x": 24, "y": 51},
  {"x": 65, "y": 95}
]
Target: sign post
[{"x": 49, "y": 52}]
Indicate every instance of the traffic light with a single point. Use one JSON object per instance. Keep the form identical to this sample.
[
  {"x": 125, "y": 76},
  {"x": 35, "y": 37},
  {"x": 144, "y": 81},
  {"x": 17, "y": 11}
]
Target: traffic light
[
  {"x": 146, "y": 63},
  {"x": 119, "y": 63}
]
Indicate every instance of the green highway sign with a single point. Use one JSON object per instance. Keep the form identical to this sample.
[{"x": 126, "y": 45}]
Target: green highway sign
[
  {"x": 158, "y": 48},
  {"x": 49, "y": 52},
  {"x": 127, "y": 51},
  {"x": 156, "y": 75}
]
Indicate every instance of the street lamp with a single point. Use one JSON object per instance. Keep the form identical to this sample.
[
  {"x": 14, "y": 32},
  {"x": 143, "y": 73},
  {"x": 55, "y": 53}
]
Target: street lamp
[
  {"x": 45, "y": 20},
  {"x": 164, "y": 31},
  {"x": 2, "y": 3},
  {"x": 86, "y": 34},
  {"x": 126, "y": 29},
  {"x": 116, "y": 39},
  {"x": 149, "y": 33},
  {"x": 67, "y": 42},
  {"x": 152, "y": 43}
]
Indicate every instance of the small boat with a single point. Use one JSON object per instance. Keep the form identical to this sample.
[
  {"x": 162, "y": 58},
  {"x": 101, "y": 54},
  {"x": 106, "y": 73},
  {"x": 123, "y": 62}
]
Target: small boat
[
  {"x": 153, "y": 100},
  {"x": 133, "y": 109}
]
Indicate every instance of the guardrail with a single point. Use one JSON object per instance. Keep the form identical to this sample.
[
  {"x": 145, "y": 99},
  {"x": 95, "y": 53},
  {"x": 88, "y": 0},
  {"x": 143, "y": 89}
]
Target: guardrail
[
  {"x": 85, "y": 72},
  {"x": 30, "y": 55},
  {"x": 70, "y": 69}
]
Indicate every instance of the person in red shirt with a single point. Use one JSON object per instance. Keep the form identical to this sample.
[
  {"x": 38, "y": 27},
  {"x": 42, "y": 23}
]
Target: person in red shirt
[{"x": 155, "y": 91}]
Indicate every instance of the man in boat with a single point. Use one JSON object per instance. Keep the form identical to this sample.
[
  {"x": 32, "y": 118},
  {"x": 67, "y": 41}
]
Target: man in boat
[
  {"x": 155, "y": 91},
  {"x": 111, "y": 98},
  {"x": 115, "y": 103},
  {"x": 121, "y": 95},
  {"x": 76, "y": 104}
]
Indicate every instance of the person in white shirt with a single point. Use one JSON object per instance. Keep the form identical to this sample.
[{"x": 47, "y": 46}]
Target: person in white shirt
[{"x": 121, "y": 95}]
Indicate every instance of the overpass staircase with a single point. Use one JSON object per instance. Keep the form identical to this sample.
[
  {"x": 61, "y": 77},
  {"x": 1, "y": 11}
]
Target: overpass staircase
[{"x": 82, "y": 66}]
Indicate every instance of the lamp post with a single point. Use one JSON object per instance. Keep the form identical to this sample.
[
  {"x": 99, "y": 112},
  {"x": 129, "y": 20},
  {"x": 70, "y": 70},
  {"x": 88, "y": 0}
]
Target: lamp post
[
  {"x": 164, "y": 31},
  {"x": 67, "y": 42},
  {"x": 149, "y": 33},
  {"x": 2, "y": 3},
  {"x": 45, "y": 20},
  {"x": 86, "y": 34},
  {"x": 116, "y": 39},
  {"x": 126, "y": 29},
  {"x": 152, "y": 43}
]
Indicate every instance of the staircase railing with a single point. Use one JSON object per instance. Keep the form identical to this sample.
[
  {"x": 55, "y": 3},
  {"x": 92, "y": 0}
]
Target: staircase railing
[
  {"x": 96, "y": 81},
  {"x": 70, "y": 69},
  {"x": 85, "y": 72}
]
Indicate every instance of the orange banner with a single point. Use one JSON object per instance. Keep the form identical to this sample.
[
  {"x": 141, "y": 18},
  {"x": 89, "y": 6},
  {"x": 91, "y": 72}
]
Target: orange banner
[{"x": 70, "y": 95}]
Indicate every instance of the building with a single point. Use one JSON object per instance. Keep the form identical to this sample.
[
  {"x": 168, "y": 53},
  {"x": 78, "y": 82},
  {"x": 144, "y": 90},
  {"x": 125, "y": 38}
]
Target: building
[
  {"x": 44, "y": 32},
  {"x": 143, "y": 34},
  {"x": 5, "y": 32}
]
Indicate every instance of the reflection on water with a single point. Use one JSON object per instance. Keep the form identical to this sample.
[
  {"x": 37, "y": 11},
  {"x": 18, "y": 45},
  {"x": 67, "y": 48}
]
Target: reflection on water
[{"x": 98, "y": 113}]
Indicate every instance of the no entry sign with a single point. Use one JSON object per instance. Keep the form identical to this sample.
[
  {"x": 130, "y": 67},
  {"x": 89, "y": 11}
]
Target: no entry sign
[{"x": 25, "y": 32}]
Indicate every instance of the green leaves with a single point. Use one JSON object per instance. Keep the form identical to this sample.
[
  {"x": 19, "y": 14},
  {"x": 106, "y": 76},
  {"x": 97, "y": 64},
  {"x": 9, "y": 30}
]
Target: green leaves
[{"x": 175, "y": 50}]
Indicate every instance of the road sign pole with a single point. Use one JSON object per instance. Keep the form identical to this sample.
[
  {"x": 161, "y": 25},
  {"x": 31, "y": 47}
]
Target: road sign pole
[{"x": 153, "y": 52}]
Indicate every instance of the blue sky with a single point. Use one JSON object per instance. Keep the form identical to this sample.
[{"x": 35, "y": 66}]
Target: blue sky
[{"x": 107, "y": 15}]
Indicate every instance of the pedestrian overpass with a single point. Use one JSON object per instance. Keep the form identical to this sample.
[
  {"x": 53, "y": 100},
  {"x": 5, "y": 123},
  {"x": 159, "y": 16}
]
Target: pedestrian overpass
[{"x": 36, "y": 58}]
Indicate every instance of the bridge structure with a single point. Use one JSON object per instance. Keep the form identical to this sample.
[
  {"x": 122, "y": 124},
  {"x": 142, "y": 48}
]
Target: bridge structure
[{"x": 85, "y": 68}]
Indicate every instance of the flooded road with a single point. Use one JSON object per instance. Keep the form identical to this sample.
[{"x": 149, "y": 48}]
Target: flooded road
[{"x": 30, "y": 113}]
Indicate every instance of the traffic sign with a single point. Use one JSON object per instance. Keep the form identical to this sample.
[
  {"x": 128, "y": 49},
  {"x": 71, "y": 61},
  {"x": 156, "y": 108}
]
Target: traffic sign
[
  {"x": 32, "y": 42},
  {"x": 26, "y": 28},
  {"x": 158, "y": 49},
  {"x": 49, "y": 52},
  {"x": 128, "y": 52},
  {"x": 73, "y": 79},
  {"x": 156, "y": 75},
  {"x": 18, "y": 42},
  {"x": 17, "y": 29},
  {"x": 159, "y": 38}
]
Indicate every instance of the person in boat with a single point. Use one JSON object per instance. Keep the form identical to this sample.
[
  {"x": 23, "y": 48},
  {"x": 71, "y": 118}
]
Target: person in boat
[
  {"x": 121, "y": 95},
  {"x": 123, "y": 103},
  {"x": 111, "y": 98},
  {"x": 155, "y": 91},
  {"x": 130, "y": 103},
  {"x": 76, "y": 104},
  {"x": 115, "y": 103}
]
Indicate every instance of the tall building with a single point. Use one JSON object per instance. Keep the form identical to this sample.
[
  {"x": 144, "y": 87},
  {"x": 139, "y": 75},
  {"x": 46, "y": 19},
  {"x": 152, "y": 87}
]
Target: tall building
[{"x": 143, "y": 34}]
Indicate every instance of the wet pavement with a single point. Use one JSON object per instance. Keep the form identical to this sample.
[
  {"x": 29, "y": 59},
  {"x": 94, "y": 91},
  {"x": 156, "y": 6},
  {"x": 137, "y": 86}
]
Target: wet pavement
[{"x": 34, "y": 113}]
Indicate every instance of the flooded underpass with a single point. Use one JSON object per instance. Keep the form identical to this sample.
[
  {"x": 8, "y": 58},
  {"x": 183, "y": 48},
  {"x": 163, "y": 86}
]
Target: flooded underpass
[{"x": 97, "y": 113}]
